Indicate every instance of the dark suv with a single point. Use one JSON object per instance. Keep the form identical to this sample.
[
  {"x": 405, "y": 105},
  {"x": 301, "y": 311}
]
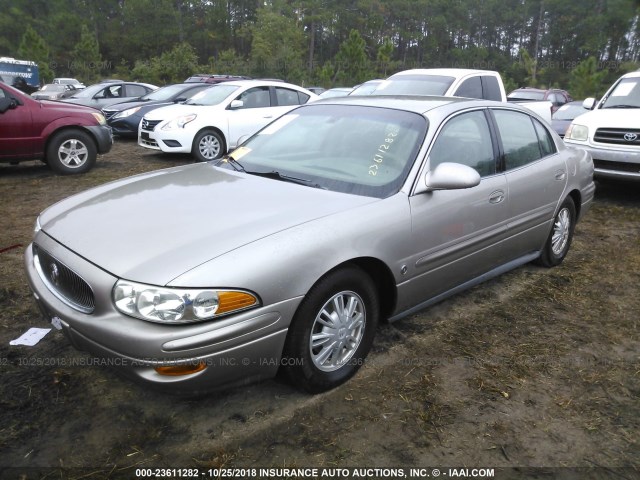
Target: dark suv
[
  {"x": 212, "y": 78},
  {"x": 66, "y": 137},
  {"x": 556, "y": 96}
]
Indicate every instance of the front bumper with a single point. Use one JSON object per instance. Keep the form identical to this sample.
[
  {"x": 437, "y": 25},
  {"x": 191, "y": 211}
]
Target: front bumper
[
  {"x": 103, "y": 136},
  {"x": 125, "y": 127},
  {"x": 238, "y": 349},
  {"x": 171, "y": 141},
  {"x": 610, "y": 162}
]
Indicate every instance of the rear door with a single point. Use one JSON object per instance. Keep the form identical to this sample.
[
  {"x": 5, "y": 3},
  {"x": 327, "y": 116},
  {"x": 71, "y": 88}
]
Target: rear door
[
  {"x": 16, "y": 130},
  {"x": 536, "y": 178}
]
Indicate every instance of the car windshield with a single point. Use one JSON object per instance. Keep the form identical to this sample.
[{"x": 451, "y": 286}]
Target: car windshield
[
  {"x": 164, "y": 93},
  {"x": 53, "y": 87},
  {"x": 569, "y": 111},
  {"x": 212, "y": 96},
  {"x": 366, "y": 88},
  {"x": 415, "y": 85},
  {"x": 626, "y": 94},
  {"x": 521, "y": 95},
  {"x": 90, "y": 91},
  {"x": 344, "y": 148}
]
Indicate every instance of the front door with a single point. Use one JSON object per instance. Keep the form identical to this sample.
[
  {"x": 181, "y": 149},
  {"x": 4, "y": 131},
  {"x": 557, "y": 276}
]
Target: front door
[{"x": 457, "y": 234}]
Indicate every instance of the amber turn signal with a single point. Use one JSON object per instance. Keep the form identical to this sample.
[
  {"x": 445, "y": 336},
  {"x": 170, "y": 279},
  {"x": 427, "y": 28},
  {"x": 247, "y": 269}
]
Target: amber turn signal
[{"x": 177, "y": 370}]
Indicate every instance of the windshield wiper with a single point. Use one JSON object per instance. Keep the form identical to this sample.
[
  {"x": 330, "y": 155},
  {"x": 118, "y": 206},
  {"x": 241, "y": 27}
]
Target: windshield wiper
[
  {"x": 286, "y": 178},
  {"x": 623, "y": 106},
  {"x": 237, "y": 166}
]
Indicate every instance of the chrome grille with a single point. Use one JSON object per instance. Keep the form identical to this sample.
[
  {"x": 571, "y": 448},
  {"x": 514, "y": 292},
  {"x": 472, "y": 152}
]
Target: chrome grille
[
  {"x": 149, "y": 124},
  {"x": 618, "y": 136},
  {"x": 63, "y": 282}
]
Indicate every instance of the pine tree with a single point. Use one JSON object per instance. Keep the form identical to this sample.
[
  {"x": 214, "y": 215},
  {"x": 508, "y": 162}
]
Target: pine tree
[
  {"x": 87, "y": 63},
  {"x": 34, "y": 48}
]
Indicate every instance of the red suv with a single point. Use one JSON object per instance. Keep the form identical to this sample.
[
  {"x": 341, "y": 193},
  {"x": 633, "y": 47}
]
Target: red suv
[{"x": 67, "y": 137}]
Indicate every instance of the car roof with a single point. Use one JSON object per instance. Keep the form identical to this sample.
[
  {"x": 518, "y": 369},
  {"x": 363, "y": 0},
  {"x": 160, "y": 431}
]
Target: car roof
[
  {"x": 270, "y": 83},
  {"x": 449, "y": 72},
  {"x": 412, "y": 103}
]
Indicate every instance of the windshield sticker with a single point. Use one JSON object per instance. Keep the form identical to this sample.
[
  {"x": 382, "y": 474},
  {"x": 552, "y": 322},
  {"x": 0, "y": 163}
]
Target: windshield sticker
[
  {"x": 239, "y": 152},
  {"x": 278, "y": 124},
  {"x": 383, "y": 150}
]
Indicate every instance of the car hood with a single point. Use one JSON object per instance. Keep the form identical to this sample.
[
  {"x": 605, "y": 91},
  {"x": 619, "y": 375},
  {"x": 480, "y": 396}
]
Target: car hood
[
  {"x": 120, "y": 107},
  {"x": 610, "y": 117},
  {"x": 172, "y": 111},
  {"x": 154, "y": 227},
  {"x": 63, "y": 106}
]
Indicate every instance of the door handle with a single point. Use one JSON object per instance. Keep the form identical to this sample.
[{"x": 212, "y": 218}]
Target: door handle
[
  {"x": 496, "y": 197},
  {"x": 268, "y": 116},
  {"x": 561, "y": 175}
]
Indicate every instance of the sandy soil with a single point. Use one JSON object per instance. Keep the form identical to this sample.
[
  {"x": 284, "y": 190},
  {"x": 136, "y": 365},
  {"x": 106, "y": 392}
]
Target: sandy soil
[{"x": 538, "y": 368}]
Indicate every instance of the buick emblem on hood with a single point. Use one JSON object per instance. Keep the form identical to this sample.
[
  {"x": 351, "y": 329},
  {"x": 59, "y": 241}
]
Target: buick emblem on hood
[
  {"x": 630, "y": 137},
  {"x": 55, "y": 274}
]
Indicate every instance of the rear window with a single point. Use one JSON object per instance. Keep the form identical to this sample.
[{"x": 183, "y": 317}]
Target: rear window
[
  {"x": 415, "y": 85},
  {"x": 527, "y": 95}
]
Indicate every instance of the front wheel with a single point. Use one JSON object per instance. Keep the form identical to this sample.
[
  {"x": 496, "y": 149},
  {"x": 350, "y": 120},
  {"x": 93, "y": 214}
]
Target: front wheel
[
  {"x": 208, "y": 145},
  {"x": 559, "y": 240},
  {"x": 332, "y": 331},
  {"x": 71, "y": 151}
]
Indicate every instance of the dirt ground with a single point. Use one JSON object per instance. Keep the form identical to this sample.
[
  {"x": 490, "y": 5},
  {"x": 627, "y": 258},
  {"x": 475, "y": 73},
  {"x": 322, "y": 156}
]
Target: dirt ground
[{"x": 538, "y": 368}]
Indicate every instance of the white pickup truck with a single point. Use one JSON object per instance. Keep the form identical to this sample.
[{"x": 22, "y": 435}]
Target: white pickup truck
[
  {"x": 611, "y": 131},
  {"x": 456, "y": 82}
]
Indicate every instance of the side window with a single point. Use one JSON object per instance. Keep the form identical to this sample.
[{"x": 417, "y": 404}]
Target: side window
[
  {"x": 553, "y": 98},
  {"x": 113, "y": 91},
  {"x": 519, "y": 138},
  {"x": 491, "y": 88},
  {"x": 465, "y": 139},
  {"x": 470, "y": 88},
  {"x": 135, "y": 90},
  {"x": 286, "y": 96},
  {"x": 257, "y": 97},
  {"x": 547, "y": 145}
]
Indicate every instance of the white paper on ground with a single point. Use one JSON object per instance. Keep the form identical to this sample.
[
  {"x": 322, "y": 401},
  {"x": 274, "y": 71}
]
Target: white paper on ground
[{"x": 30, "y": 337}]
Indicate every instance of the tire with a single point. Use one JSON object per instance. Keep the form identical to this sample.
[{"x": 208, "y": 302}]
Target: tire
[
  {"x": 208, "y": 145},
  {"x": 71, "y": 151},
  {"x": 557, "y": 245},
  {"x": 332, "y": 331}
]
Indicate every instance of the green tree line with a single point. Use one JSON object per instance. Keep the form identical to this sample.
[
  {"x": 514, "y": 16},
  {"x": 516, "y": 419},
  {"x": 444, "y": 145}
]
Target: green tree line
[{"x": 581, "y": 46}]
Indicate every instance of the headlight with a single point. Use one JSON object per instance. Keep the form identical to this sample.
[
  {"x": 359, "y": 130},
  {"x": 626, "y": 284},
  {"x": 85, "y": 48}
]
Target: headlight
[
  {"x": 577, "y": 132},
  {"x": 100, "y": 118},
  {"x": 179, "y": 122},
  {"x": 126, "y": 113},
  {"x": 178, "y": 305}
]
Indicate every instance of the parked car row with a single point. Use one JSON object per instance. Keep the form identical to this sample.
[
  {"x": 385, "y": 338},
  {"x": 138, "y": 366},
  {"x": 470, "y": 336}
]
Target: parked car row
[{"x": 188, "y": 118}]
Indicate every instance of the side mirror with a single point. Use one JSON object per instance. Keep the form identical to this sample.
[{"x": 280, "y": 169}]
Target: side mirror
[
  {"x": 589, "y": 103},
  {"x": 236, "y": 104},
  {"x": 7, "y": 103},
  {"x": 450, "y": 176}
]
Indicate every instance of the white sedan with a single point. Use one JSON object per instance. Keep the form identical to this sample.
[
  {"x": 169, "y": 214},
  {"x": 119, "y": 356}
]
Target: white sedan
[{"x": 212, "y": 122}]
